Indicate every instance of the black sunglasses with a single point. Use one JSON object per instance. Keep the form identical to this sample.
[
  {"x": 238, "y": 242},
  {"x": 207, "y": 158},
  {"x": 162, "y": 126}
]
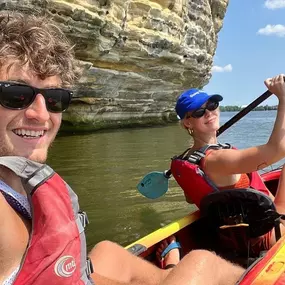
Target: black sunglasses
[
  {"x": 210, "y": 106},
  {"x": 18, "y": 96}
]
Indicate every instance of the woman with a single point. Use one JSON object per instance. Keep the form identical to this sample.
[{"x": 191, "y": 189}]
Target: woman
[{"x": 224, "y": 167}]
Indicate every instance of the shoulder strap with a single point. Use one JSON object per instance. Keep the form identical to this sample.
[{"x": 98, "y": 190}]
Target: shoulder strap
[
  {"x": 21, "y": 166},
  {"x": 197, "y": 155},
  {"x": 182, "y": 155},
  {"x": 31, "y": 173}
]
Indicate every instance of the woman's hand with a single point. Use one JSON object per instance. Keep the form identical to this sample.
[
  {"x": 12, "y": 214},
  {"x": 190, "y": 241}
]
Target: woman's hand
[{"x": 276, "y": 86}]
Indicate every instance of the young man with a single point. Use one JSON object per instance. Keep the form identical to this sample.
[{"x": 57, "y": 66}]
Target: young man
[{"x": 37, "y": 65}]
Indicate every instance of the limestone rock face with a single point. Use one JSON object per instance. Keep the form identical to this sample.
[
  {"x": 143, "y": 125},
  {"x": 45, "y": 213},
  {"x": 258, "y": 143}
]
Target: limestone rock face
[{"x": 139, "y": 55}]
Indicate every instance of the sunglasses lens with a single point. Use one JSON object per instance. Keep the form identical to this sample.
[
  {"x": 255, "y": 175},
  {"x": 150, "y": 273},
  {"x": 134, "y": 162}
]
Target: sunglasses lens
[
  {"x": 198, "y": 113},
  {"x": 57, "y": 100},
  {"x": 211, "y": 106},
  {"x": 16, "y": 96}
]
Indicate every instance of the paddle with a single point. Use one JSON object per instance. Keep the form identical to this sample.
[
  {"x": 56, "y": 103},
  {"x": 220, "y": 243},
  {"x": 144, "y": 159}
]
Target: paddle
[{"x": 155, "y": 184}]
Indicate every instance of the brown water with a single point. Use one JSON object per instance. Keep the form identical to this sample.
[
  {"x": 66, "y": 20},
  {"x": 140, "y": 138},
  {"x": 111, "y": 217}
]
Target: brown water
[{"x": 104, "y": 169}]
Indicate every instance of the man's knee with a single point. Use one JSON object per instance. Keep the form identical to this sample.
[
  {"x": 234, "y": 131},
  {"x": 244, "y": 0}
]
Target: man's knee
[
  {"x": 200, "y": 254},
  {"x": 105, "y": 247}
]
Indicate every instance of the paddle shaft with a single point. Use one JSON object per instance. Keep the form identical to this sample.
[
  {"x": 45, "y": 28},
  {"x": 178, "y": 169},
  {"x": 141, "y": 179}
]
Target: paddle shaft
[
  {"x": 243, "y": 112},
  {"x": 236, "y": 118}
]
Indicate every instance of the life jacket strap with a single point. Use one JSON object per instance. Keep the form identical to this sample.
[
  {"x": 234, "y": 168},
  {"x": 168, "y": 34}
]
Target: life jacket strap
[
  {"x": 199, "y": 154},
  {"x": 196, "y": 157}
]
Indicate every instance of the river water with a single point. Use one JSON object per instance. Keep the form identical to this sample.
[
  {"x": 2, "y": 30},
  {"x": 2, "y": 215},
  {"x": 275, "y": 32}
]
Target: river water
[{"x": 105, "y": 167}]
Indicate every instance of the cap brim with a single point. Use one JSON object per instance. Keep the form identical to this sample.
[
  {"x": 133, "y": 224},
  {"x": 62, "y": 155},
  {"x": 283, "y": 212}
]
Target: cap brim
[{"x": 216, "y": 98}]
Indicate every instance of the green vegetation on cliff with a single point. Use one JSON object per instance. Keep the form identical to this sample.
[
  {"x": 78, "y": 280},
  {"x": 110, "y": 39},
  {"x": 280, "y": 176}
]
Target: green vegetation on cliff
[{"x": 238, "y": 108}]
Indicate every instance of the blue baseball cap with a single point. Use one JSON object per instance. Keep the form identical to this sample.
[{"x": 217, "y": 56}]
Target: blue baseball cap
[{"x": 193, "y": 99}]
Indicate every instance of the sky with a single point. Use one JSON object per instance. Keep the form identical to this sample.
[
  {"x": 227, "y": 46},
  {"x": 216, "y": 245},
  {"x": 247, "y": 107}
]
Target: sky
[{"x": 251, "y": 48}]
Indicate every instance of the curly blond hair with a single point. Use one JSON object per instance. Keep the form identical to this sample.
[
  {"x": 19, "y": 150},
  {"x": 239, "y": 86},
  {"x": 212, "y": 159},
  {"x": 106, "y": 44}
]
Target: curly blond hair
[{"x": 39, "y": 42}]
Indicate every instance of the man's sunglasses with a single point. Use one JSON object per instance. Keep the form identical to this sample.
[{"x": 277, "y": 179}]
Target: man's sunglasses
[
  {"x": 211, "y": 106},
  {"x": 18, "y": 96}
]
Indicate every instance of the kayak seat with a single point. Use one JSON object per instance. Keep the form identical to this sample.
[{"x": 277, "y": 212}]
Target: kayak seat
[{"x": 241, "y": 210}]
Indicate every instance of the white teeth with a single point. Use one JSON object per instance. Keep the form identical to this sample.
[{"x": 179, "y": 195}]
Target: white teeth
[{"x": 28, "y": 133}]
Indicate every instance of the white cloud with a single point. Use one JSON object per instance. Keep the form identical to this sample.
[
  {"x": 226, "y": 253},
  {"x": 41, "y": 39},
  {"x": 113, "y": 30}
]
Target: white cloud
[
  {"x": 274, "y": 4},
  {"x": 227, "y": 68},
  {"x": 277, "y": 30}
]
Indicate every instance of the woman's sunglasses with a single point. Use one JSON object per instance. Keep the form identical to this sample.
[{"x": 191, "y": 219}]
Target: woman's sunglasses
[
  {"x": 18, "y": 96},
  {"x": 211, "y": 106}
]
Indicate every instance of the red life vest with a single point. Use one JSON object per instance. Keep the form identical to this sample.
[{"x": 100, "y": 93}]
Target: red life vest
[
  {"x": 193, "y": 180},
  {"x": 56, "y": 253}
]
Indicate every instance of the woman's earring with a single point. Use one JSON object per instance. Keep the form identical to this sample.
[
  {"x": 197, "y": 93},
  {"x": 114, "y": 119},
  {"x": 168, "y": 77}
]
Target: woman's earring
[{"x": 190, "y": 131}]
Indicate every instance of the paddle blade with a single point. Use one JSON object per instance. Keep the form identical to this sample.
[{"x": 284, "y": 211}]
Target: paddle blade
[{"x": 153, "y": 185}]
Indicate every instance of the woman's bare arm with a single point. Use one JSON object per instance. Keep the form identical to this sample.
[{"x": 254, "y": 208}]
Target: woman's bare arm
[{"x": 230, "y": 161}]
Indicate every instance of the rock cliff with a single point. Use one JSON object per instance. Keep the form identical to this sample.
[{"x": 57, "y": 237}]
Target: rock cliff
[{"x": 138, "y": 55}]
